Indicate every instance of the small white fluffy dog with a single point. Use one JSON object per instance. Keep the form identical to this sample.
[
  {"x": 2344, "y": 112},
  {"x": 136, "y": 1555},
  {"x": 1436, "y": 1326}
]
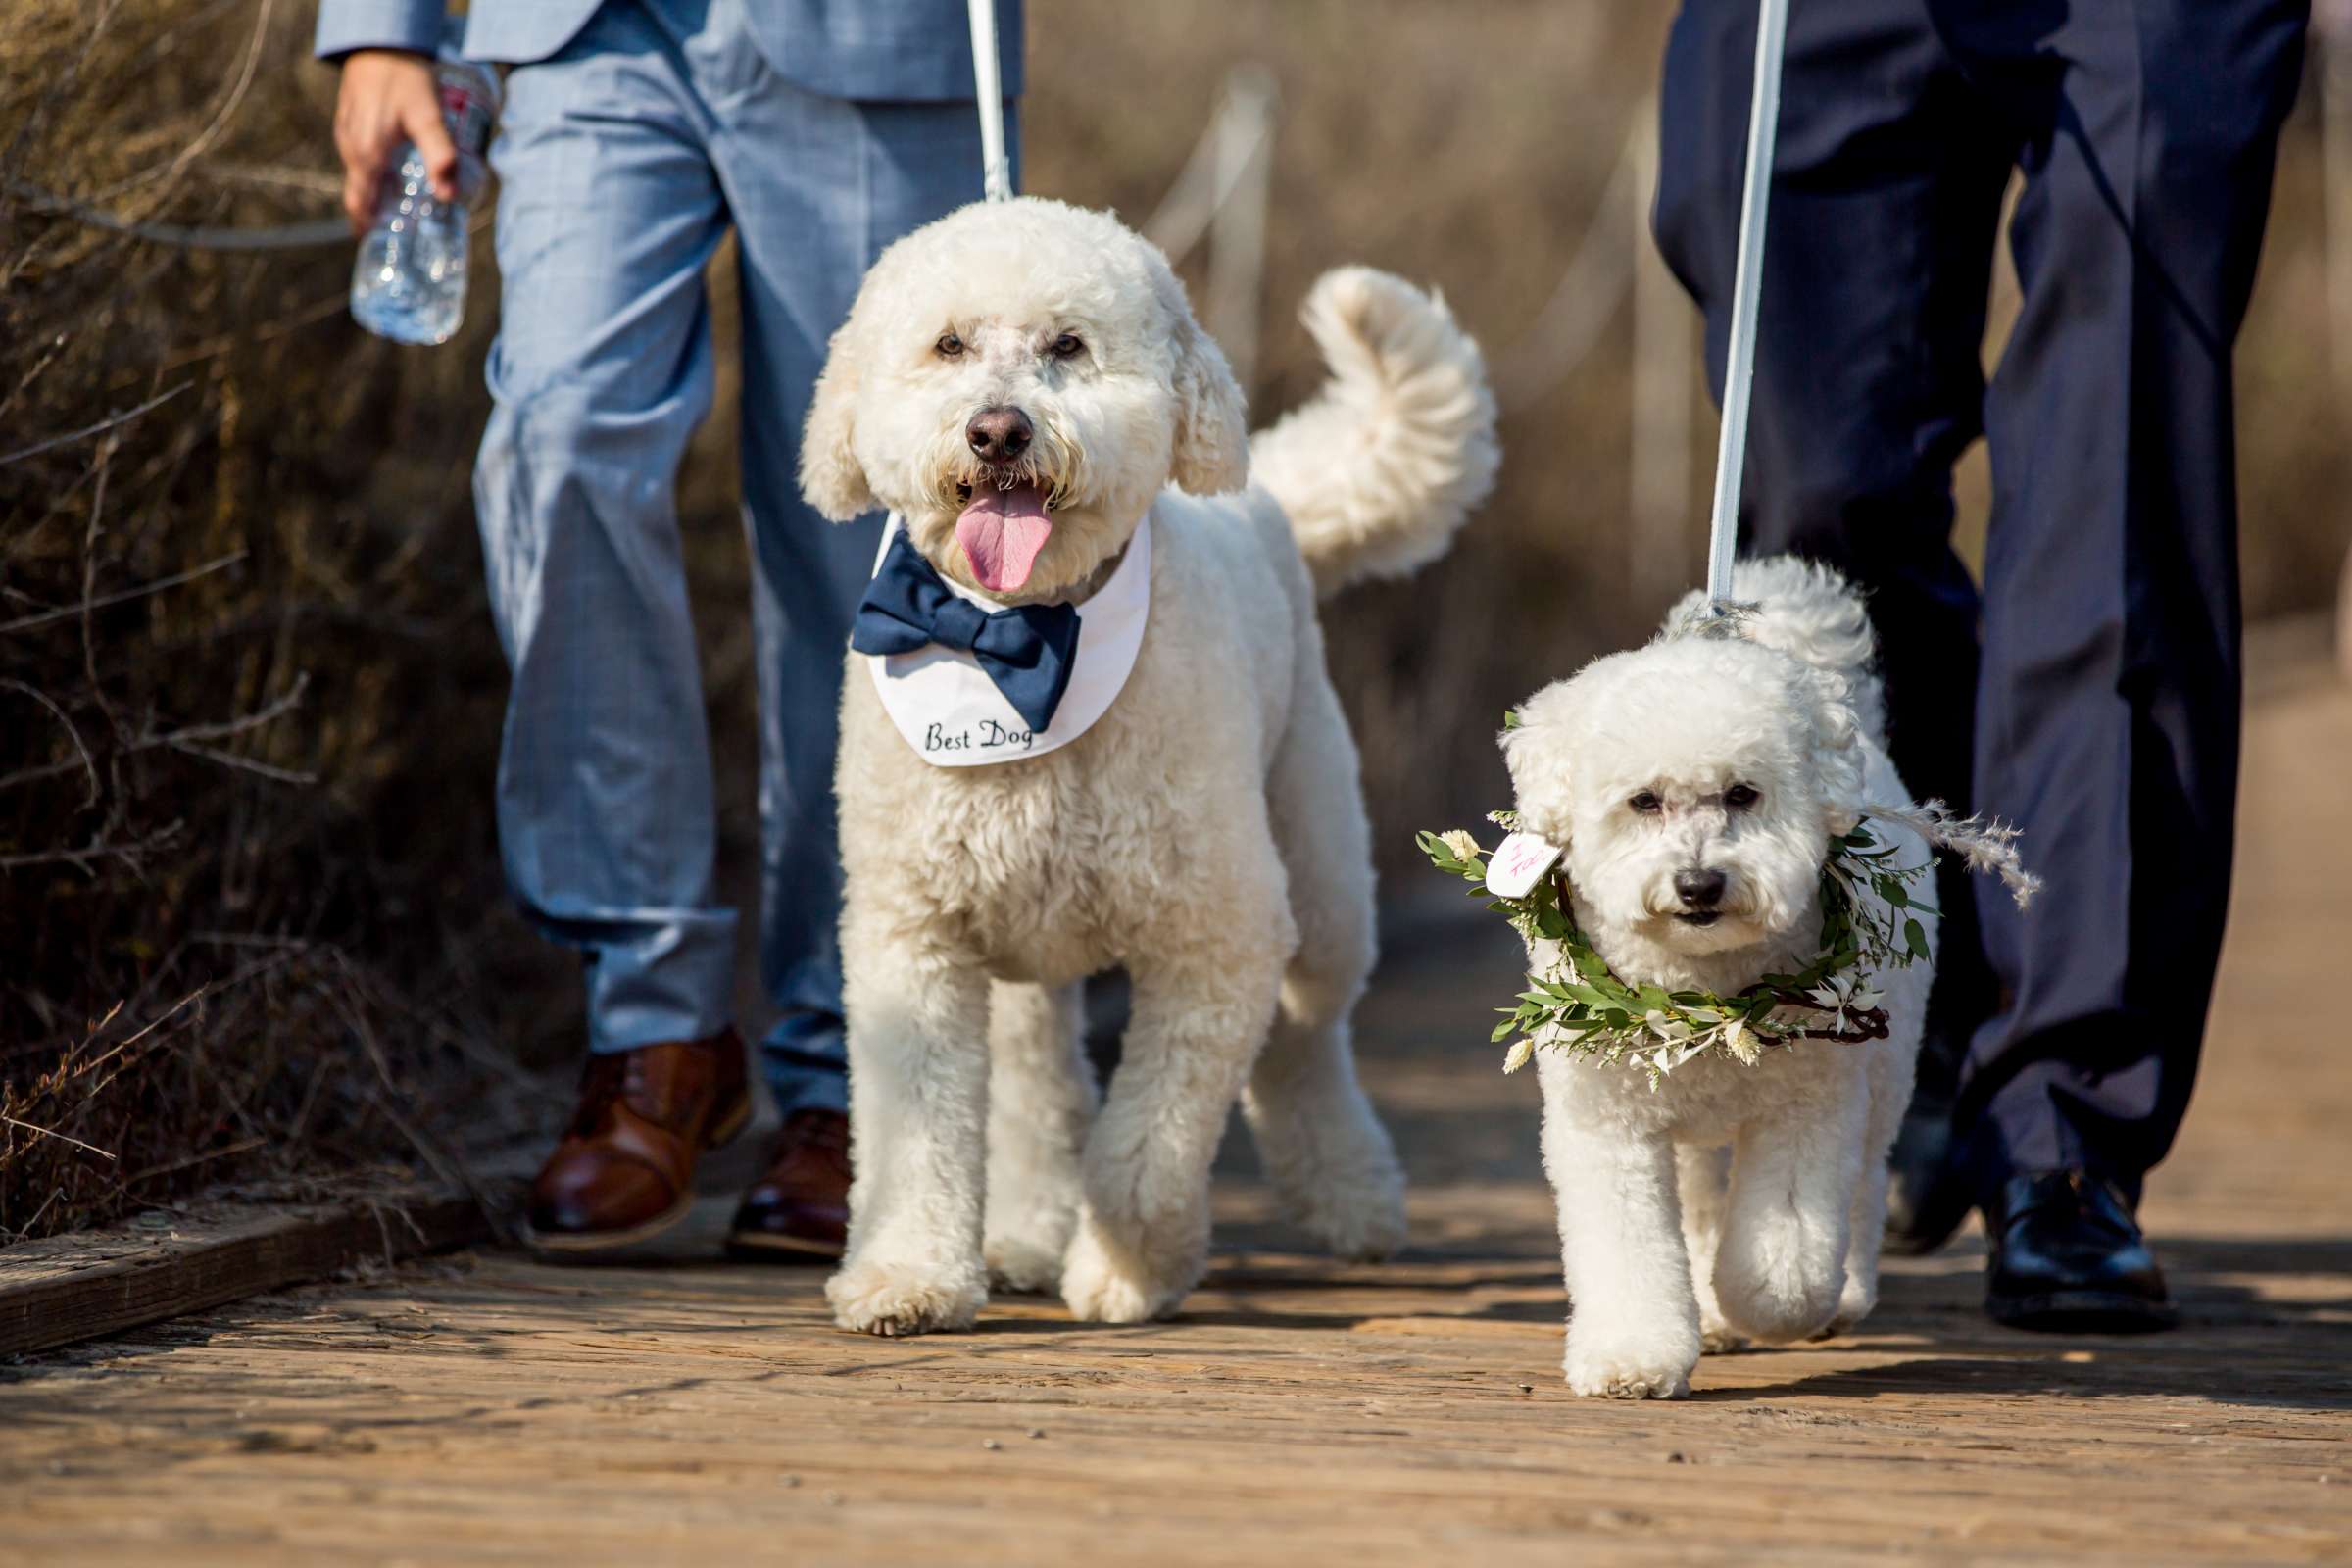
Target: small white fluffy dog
[
  {"x": 1208, "y": 832},
  {"x": 1695, "y": 784}
]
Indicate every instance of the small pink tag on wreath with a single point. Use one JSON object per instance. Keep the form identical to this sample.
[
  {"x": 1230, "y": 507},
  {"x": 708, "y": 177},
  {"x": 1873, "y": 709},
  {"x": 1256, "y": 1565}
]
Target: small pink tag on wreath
[{"x": 1518, "y": 862}]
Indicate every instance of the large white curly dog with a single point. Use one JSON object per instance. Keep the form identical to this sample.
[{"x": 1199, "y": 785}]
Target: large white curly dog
[
  {"x": 1020, "y": 383},
  {"x": 1695, "y": 784}
]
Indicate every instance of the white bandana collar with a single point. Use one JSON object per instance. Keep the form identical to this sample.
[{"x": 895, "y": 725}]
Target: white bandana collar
[{"x": 947, "y": 709}]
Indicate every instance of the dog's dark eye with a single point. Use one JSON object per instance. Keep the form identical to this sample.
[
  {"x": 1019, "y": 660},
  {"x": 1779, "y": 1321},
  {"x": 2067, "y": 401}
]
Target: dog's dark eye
[
  {"x": 1739, "y": 796},
  {"x": 949, "y": 346},
  {"x": 1067, "y": 346},
  {"x": 1646, "y": 803}
]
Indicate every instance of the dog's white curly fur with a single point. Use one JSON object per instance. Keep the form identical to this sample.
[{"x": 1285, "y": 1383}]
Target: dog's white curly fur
[
  {"x": 1209, "y": 832},
  {"x": 1732, "y": 1203}
]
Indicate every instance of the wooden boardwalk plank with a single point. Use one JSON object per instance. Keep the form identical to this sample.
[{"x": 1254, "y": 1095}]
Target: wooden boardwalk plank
[{"x": 72, "y": 1288}]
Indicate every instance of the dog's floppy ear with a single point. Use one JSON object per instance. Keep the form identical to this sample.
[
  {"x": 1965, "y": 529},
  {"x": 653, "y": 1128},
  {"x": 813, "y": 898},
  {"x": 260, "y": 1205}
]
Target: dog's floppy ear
[
  {"x": 1211, "y": 453},
  {"x": 831, "y": 479},
  {"x": 1837, "y": 755},
  {"x": 1537, "y": 749},
  {"x": 1212, "y": 421}
]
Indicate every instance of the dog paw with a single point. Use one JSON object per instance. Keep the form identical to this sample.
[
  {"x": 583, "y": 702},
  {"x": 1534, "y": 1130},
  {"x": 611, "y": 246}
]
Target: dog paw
[
  {"x": 1718, "y": 1338},
  {"x": 1774, "y": 1294},
  {"x": 1100, "y": 1288},
  {"x": 1361, "y": 1224},
  {"x": 893, "y": 1299},
  {"x": 1856, "y": 1304},
  {"x": 1781, "y": 1312},
  {"x": 1338, "y": 1179},
  {"x": 1023, "y": 1264},
  {"x": 1628, "y": 1371}
]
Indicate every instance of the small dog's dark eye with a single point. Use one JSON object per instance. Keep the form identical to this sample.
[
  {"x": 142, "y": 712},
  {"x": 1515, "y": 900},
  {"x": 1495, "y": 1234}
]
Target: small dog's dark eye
[
  {"x": 1739, "y": 796},
  {"x": 949, "y": 345},
  {"x": 1067, "y": 346},
  {"x": 1646, "y": 803}
]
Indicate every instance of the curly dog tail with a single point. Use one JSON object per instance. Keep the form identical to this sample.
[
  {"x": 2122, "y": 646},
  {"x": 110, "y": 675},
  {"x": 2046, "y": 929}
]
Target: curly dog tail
[{"x": 1377, "y": 473}]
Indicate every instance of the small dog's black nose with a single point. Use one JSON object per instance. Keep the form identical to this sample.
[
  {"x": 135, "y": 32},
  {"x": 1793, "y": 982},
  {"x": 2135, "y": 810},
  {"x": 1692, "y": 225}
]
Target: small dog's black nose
[
  {"x": 1701, "y": 890},
  {"x": 997, "y": 435}
]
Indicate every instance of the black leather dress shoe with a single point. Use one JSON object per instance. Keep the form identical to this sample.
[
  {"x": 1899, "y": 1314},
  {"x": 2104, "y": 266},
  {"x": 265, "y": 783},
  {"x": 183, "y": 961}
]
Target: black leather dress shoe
[
  {"x": 1928, "y": 1195},
  {"x": 2068, "y": 1259}
]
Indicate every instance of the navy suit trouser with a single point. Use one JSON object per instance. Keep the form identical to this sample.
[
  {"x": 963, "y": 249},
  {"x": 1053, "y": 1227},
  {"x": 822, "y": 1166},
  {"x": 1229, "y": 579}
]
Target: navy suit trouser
[{"x": 2089, "y": 691}]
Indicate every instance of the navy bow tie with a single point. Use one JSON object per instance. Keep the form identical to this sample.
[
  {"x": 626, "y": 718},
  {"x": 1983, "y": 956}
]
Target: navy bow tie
[{"x": 1027, "y": 650}]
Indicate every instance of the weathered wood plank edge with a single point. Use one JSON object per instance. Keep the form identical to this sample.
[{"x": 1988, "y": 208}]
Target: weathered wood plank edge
[{"x": 68, "y": 1289}]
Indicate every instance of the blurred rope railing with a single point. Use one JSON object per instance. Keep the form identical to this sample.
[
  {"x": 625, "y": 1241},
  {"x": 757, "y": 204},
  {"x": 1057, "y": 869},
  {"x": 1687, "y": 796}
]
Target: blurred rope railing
[
  {"x": 1221, "y": 196},
  {"x": 1612, "y": 261},
  {"x": 187, "y": 236},
  {"x": 1593, "y": 286}
]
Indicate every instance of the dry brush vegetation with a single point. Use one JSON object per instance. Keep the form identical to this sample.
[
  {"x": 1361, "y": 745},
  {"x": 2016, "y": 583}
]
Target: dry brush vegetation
[
  {"x": 250, "y": 919},
  {"x": 245, "y": 691}
]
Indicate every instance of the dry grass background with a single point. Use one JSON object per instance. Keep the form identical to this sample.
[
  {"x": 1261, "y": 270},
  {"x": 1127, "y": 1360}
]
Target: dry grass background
[{"x": 250, "y": 920}]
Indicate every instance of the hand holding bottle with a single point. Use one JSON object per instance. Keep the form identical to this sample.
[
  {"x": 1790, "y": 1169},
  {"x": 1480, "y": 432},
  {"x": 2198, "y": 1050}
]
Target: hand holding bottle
[
  {"x": 389, "y": 98},
  {"x": 413, "y": 132}
]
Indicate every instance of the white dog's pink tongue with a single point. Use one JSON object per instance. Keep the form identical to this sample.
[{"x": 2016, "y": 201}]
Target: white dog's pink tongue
[{"x": 1000, "y": 532}]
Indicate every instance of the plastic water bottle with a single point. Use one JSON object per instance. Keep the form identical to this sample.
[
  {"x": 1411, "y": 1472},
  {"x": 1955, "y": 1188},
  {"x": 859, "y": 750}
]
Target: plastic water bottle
[{"x": 408, "y": 284}]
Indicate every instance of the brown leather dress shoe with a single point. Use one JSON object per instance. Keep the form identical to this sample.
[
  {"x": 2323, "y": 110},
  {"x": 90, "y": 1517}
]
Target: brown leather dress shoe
[
  {"x": 800, "y": 1208},
  {"x": 624, "y": 1171}
]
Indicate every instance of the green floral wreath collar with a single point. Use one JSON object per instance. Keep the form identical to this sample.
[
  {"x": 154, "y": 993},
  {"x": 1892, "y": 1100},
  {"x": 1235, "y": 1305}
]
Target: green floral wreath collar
[{"x": 1578, "y": 1005}]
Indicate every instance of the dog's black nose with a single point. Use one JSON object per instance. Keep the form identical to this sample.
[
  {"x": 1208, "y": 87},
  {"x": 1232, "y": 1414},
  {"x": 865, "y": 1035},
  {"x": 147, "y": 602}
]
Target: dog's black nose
[
  {"x": 1701, "y": 890},
  {"x": 998, "y": 435}
]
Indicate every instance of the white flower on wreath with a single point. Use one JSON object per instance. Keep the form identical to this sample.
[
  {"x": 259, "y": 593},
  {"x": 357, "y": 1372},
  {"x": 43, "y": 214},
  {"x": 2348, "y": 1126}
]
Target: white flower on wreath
[
  {"x": 1665, "y": 1028},
  {"x": 1839, "y": 993},
  {"x": 1674, "y": 1053},
  {"x": 1463, "y": 846}
]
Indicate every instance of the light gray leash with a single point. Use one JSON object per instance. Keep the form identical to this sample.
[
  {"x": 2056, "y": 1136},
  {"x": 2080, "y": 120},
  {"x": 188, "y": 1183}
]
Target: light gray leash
[
  {"x": 1747, "y": 284},
  {"x": 996, "y": 170}
]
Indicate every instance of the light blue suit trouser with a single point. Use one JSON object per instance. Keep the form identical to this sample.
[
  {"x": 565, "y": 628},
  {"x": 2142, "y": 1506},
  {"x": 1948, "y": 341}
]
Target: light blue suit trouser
[{"x": 622, "y": 160}]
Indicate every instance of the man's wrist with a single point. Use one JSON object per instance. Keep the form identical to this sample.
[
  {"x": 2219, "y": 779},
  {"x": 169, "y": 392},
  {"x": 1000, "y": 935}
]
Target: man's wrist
[{"x": 388, "y": 51}]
